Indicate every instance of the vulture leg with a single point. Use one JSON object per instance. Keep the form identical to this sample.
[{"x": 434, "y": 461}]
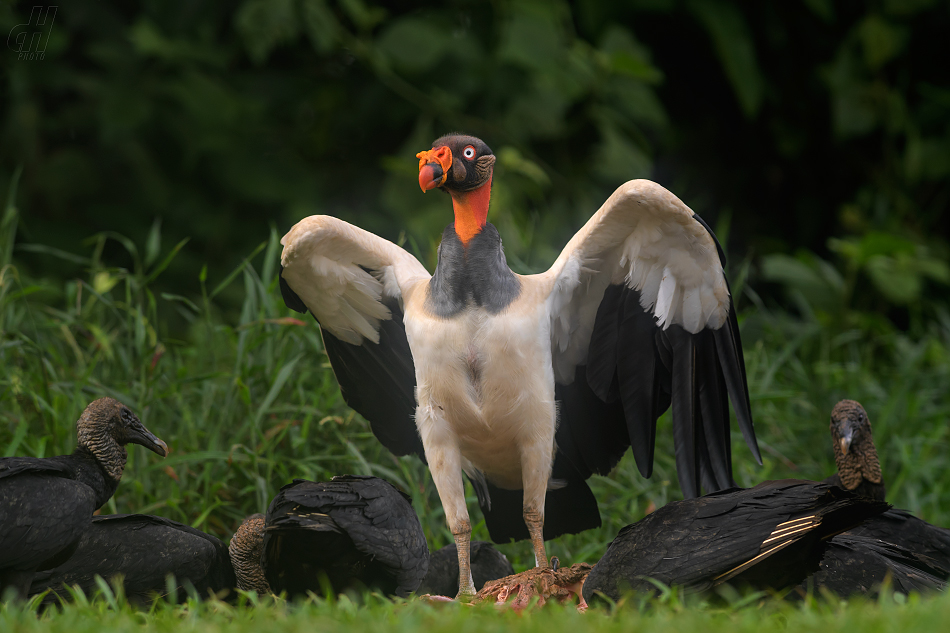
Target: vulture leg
[
  {"x": 445, "y": 464},
  {"x": 536, "y": 460}
]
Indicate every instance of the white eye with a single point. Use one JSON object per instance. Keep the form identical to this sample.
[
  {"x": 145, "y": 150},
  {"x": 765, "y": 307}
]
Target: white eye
[{"x": 469, "y": 152}]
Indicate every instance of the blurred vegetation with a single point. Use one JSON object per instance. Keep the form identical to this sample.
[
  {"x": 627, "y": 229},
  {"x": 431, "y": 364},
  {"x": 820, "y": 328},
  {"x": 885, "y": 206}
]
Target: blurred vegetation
[
  {"x": 782, "y": 123},
  {"x": 154, "y": 157}
]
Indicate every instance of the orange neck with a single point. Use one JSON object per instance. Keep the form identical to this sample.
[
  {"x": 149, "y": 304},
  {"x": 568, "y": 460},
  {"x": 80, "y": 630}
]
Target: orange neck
[{"x": 471, "y": 211}]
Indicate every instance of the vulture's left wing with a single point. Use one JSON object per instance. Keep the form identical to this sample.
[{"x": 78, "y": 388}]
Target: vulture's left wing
[
  {"x": 355, "y": 283},
  {"x": 641, "y": 317}
]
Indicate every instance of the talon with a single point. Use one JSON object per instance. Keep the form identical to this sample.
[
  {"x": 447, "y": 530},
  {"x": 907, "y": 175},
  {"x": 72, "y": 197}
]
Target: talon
[{"x": 555, "y": 563}]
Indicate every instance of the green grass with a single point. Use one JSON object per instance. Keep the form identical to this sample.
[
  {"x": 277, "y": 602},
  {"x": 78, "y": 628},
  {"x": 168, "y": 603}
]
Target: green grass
[
  {"x": 890, "y": 613},
  {"x": 247, "y": 402}
]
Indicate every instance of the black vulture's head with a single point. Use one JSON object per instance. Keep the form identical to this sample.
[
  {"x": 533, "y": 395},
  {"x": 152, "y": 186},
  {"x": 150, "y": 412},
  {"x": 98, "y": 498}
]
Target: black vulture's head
[
  {"x": 246, "y": 550},
  {"x": 106, "y": 426},
  {"x": 854, "y": 449},
  {"x": 850, "y": 426}
]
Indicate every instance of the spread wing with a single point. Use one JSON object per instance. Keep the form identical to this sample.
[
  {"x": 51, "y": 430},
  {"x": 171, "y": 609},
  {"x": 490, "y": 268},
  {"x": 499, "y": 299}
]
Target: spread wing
[
  {"x": 354, "y": 283},
  {"x": 642, "y": 318}
]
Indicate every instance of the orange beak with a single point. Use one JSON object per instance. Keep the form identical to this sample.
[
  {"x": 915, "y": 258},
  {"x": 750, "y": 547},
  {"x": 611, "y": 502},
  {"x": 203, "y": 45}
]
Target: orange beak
[{"x": 434, "y": 165}]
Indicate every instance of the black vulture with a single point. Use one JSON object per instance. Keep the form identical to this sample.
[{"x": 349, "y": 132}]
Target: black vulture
[
  {"x": 349, "y": 533},
  {"x": 769, "y": 536},
  {"x": 442, "y": 579},
  {"x": 46, "y": 504},
  {"x": 859, "y": 470},
  {"x": 143, "y": 550}
]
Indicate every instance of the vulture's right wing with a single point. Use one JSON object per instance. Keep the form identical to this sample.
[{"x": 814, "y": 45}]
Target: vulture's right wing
[{"x": 354, "y": 283}]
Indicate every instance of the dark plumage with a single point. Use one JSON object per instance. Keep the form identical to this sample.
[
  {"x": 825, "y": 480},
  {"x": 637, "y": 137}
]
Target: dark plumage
[
  {"x": 902, "y": 528},
  {"x": 144, "y": 550},
  {"x": 860, "y": 565},
  {"x": 859, "y": 469},
  {"x": 352, "y": 532},
  {"x": 46, "y": 504},
  {"x": 442, "y": 578},
  {"x": 770, "y": 536}
]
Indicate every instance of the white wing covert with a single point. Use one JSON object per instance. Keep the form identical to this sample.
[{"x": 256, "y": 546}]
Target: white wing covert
[{"x": 355, "y": 283}]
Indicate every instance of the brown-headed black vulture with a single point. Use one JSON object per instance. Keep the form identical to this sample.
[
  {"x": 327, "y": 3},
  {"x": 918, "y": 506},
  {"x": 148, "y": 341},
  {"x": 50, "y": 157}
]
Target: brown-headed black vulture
[{"x": 46, "y": 504}]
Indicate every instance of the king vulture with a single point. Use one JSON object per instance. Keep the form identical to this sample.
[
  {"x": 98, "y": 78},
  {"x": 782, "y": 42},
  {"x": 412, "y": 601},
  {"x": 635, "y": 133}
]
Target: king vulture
[{"x": 529, "y": 384}]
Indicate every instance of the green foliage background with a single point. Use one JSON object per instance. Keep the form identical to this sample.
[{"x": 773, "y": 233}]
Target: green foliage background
[
  {"x": 789, "y": 121},
  {"x": 155, "y": 155}
]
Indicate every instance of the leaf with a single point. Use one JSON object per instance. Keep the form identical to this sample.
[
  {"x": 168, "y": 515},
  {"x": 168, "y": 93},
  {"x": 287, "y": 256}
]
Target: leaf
[
  {"x": 531, "y": 38},
  {"x": 816, "y": 280},
  {"x": 512, "y": 160},
  {"x": 618, "y": 158},
  {"x": 153, "y": 242},
  {"x": 855, "y": 107},
  {"x": 234, "y": 273},
  {"x": 22, "y": 428},
  {"x": 824, "y": 9},
  {"x": 103, "y": 282},
  {"x": 264, "y": 24},
  {"x": 149, "y": 41},
  {"x": 881, "y": 40},
  {"x": 895, "y": 279},
  {"x": 936, "y": 269},
  {"x": 53, "y": 252},
  {"x": 733, "y": 43},
  {"x": 414, "y": 44},
  {"x": 182, "y": 300},
  {"x": 102, "y": 339},
  {"x": 10, "y": 216},
  {"x": 275, "y": 388},
  {"x": 364, "y": 17},
  {"x": 165, "y": 262},
  {"x": 628, "y": 57},
  {"x": 320, "y": 25}
]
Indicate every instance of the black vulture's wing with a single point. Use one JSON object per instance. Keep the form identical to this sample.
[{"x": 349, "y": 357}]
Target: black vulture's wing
[
  {"x": 354, "y": 283},
  {"x": 144, "y": 550},
  {"x": 861, "y": 565},
  {"x": 770, "y": 536},
  {"x": 387, "y": 528},
  {"x": 10, "y": 466},
  {"x": 377, "y": 519},
  {"x": 903, "y": 528}
]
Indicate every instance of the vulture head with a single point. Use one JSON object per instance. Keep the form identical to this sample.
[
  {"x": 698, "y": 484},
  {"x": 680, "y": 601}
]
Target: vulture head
[
  {"x": 456, "y": 163},
  {"x": 461, "y": 165},
  {"x": 854, "y": 448},
  {"x": 106, "y": 426},
  {"x": 246, "y": 550}
]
